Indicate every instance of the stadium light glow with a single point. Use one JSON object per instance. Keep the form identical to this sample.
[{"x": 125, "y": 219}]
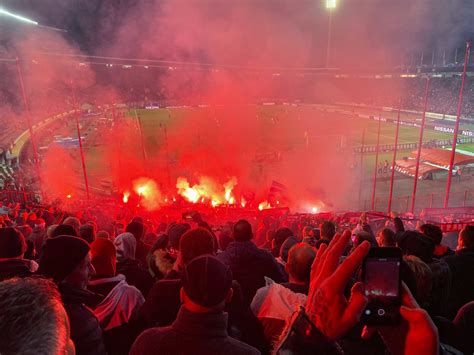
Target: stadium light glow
[
  {"x": 18, "y": 17},
  {"x": 331, "y": 4}
]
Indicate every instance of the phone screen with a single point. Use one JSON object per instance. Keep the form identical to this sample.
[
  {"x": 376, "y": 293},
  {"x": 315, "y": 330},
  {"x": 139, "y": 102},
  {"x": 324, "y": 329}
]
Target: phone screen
[{"x": 382, "y": 288}]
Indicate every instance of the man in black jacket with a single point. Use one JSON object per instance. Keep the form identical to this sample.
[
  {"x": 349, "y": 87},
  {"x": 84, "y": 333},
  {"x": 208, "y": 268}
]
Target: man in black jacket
[
  {"x": 201, "y": 325},
  {"x": 67, "y": 261},
  {"x": 248, "y": 263},
  {"x": 462, "y": 270}
]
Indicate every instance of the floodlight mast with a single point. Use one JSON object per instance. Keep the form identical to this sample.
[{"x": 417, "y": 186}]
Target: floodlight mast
[{"x": 330, "y": 6}]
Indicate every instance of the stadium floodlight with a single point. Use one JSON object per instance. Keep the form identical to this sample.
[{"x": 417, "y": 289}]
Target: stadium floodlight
[
  {"x": 18, "y": 17},
  {"x": 331, "y": 4},
  {"x": 27, "y": 20}
]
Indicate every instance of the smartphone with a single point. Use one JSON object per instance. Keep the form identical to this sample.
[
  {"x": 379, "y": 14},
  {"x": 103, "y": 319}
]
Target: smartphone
[{"x": 381, "y": 277}]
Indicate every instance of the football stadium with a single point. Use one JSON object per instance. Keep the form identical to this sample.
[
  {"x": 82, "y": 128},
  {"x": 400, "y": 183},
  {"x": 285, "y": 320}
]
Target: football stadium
[{"x": 248, "y": 177}]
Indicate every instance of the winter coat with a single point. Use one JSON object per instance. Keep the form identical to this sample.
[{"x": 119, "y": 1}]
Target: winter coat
[
  {"x": 191, "y": 333},
  {"x": 249, "y": 266}
]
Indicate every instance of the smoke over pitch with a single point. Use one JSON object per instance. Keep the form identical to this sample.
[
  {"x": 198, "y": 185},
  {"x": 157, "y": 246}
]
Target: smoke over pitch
[{"x": 248, "y": 47}]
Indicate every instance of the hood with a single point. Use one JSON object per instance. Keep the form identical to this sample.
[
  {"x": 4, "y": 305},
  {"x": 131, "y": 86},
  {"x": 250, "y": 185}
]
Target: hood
[{"x": 126, "y": 245}]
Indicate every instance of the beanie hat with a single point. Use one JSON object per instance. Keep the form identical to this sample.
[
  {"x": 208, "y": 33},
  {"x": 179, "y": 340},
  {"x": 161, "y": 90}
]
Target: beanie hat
[
  {"x": 12, "y": 243},
  {"x": 175, "y": 232},
  {"x": 206, "y": 280},
  {"x": 103, "y": 257},
  {"x": 415, "y": 243},
  {"x": 64, "y": 229},
  {"x": 61, "y": 255}
]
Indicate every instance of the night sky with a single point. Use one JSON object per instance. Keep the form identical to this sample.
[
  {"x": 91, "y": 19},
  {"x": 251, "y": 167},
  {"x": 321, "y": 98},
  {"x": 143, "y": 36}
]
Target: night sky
[{"x": 407, "y": 24}]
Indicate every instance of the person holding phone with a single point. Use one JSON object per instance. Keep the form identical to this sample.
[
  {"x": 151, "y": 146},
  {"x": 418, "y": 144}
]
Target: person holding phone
[{"x": 329, "y": 315}]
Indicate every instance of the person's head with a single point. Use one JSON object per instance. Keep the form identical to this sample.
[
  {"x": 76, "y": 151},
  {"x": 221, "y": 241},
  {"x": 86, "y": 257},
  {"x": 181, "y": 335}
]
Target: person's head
[
  {"x": 466, "y": 237},
  {"x": 50, "y": 230},
  {"x": 281, "y": 235},
  {"x": 64, "y": 229},
  {"x": 137, "y": 229},
  {"x": 12, "y": 243},
  {"x": 328, "y": 230},
  {"x": 415, "y": 243},
  {"x": 225, "y": 238},
  {"x": 360, "y": 237},
  {"x": 423, "y": 276},
  {"x": 285, "y": 248},
  {"x": 242, "y": 231},
  {"x": 386, "y": 238},
  {"x": 40, "y": 225},
  {"x": 195, "y": 242},
  {"x": 205, "y": 225},
  {"x": 175, "y": 233},
  {"x": 87, "y": 232},
  {"x": 103, "y": 257},
  {"x": 74, "y": 222},
  {"x": 398, "y": 223},
  {"x": 110, "y": 228},
  {"x": 308, "y": 232},
  {"x": 32, "y": 318},
  {"x": 103, "y": 234},
  {"x": 67, "y": 259},
  {"x": 433, "y": 232},
  {"x": 207, "y": 285},
  {"x": 319, "y": 242},
  {"x": 126, "y": 246},
  {"x": 300, "y": 260}
]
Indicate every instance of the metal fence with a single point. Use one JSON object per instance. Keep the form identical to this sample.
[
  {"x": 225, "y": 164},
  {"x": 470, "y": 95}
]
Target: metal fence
[{"x": 402, "y": 204}]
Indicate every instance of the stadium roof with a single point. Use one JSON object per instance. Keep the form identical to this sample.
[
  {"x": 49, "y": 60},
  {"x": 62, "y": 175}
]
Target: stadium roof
[
  {"x": 408, "y": 167},
  {"x": 442, "y": 157}
]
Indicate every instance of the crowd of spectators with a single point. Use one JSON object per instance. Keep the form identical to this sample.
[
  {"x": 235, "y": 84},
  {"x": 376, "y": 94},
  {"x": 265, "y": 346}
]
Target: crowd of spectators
[
  {"x": 76, "y": 282},
  {"x": 443, "y": 93}
]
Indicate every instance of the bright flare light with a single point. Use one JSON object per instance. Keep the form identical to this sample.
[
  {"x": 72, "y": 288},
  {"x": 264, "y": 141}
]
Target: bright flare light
[
  {"x": 264, "y": 206},
  {"x": 18, "y": 17},
  {"x": 314, "y": 210},
  {"x": 331, "y": 4},
  {"x": 126, "y": 195},
  {"x": 150, "y": 195}
]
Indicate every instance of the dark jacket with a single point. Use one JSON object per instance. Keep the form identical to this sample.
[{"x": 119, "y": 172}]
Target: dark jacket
[
  {"x": 438, "y": 301},
  {"x": 249, "y": 265},
  {"x": 14, "y": 268},
  {"x": 191, "y": 333},
  {"x": 163, "y": 303},
  {"x": 85, "y": 330},
  {"x": 135, "y": 275},
  {"x": 462, "y": 279},
  {"x": 141, "y": 253}
]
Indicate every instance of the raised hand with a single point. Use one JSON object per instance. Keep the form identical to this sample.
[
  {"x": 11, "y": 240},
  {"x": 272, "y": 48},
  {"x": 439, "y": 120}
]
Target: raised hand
[
  {"x": 326, "y": 305},
  {"x": 415, "y": 335}
]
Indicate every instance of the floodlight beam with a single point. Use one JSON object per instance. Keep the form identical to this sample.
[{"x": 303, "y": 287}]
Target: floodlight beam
[{"x": 18, "y": 17}]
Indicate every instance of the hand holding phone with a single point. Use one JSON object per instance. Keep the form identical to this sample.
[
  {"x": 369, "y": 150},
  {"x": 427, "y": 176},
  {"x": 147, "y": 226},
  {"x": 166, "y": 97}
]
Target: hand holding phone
[{"x": 381, "y": 278}]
